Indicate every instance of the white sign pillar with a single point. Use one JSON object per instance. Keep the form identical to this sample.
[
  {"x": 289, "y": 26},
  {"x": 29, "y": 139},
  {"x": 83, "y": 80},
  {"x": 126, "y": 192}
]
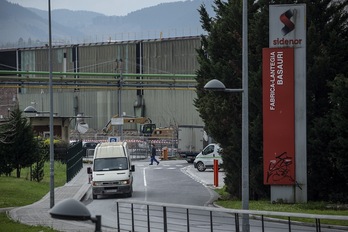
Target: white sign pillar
[{"x": 287, "y": 28}]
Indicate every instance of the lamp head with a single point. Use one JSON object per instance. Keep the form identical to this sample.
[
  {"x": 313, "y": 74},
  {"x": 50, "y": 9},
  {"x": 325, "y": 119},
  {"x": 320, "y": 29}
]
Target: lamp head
[
  {"x": 215, "y": 85},
  {"x": 30, "y": 109},
  {"x": 70, "y": 209}
]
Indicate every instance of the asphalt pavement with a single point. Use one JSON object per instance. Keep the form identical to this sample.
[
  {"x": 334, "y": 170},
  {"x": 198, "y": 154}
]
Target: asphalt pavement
[{"x": 38, "y": 212}]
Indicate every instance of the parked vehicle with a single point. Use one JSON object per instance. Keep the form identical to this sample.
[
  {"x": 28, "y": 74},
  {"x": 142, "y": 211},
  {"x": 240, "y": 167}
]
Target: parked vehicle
[
  {"x": 205, "y": 159},
  {"x": 190, "y": 141},
  {"x": 88, "y": 148},
  {"x": 112, "y": 170}
]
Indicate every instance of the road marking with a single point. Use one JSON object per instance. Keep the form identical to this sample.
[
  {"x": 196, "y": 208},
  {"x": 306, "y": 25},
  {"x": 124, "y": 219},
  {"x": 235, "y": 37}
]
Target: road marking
[
  {"x": 144, "y": 174},
  {"x": 166, "y": 166},
  {"x": 145, "y": 183}
]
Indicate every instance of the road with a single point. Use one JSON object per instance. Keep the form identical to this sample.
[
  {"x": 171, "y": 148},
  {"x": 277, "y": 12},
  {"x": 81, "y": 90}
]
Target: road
[{"x": 163, "y": 183}]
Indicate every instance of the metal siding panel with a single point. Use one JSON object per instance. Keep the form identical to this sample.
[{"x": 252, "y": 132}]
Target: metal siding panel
[
  {"x": 102, "y": 58},
  {"x": 168, "y": 107},
  {"x": 28, "y": 63},
  {"x": 173, "y": 56},
  {"x": 87, "y": 58}
]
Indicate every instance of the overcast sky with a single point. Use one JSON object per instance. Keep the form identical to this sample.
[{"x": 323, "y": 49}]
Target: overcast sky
[{"x": 107, "y": 7}]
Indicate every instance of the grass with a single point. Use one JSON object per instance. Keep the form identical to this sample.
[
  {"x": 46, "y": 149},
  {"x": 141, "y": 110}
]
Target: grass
[
  {"x": 20, "y": 192},
  {"x": 308, "y": 208},
  {"x": 11, "y": 226}
]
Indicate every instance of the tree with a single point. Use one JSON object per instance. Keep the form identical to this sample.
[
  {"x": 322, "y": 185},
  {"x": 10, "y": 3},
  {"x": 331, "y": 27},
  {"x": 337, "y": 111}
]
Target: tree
[
  {"x": 220, "y": 58},
  {"x": 339, "y": 144},
  {"x": 7, "y": 131},
  {"x": 43, "y": 156},
  {"x": 327, "y": 51},
  {"x": 6, "y": 165},
  {"x": 19, "y": 147},
  {"x": 21, "y": 42}
]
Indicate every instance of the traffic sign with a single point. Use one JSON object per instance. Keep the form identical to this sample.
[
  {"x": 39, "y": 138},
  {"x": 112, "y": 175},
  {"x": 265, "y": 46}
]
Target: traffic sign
[{"x": 114, "y": 139}]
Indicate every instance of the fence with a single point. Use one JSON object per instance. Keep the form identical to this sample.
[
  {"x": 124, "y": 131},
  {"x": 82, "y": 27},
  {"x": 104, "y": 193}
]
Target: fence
[
  {"x": 139, "y": 146},
  {"x": 151, "y": 216},
  {"x": 74, "y": 160}
]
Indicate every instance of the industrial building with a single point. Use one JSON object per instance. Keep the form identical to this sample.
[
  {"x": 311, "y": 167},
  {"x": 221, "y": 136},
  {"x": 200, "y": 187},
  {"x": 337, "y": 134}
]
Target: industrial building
[{"x": 143, "y": 78}]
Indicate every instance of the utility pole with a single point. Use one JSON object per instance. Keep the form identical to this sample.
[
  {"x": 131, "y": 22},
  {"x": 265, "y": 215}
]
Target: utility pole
[{"x": 120, "y": 114}]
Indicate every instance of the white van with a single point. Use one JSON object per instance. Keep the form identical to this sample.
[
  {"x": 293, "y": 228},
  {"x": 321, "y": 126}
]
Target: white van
[
  {"x": 112, "y": 170},
  {"x": 205, "y": 159}
]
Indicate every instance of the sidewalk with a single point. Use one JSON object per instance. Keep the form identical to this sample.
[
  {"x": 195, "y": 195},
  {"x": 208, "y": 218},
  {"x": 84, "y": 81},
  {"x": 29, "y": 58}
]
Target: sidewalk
[{"x": 38, "y": 212}]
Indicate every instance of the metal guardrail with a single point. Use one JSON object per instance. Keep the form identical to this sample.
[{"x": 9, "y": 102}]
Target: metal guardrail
[{"x": 151, "y": 216}]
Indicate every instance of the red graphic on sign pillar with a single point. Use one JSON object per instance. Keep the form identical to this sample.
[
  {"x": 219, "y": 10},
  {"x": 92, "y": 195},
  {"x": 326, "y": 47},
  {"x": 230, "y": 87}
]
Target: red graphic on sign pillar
[{"x": 279, "y": 169}]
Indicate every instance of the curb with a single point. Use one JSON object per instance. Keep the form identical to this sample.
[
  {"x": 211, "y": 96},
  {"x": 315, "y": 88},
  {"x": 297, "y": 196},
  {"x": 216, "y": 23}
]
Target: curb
[{"x": 4, "y": 210}]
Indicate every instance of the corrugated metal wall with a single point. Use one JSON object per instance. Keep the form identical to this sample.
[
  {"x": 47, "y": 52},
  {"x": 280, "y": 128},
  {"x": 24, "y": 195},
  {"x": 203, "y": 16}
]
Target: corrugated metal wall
[
  {"x": 102, "y": 58},
  {"x": 164, "y": 107},
  {"x": 171, "y": 56}
]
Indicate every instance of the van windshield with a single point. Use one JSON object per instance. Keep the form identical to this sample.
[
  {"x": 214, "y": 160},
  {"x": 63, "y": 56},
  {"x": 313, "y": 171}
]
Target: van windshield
[{"x": 108, "y": 164}]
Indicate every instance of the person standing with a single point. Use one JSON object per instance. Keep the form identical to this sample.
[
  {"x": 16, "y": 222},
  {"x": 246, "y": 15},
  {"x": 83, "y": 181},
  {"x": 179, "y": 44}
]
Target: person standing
[{"x": 153, "y": 155}]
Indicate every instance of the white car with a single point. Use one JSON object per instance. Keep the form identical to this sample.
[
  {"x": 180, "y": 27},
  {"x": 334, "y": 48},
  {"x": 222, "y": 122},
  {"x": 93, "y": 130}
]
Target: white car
[{"x": 205, "y": 159}]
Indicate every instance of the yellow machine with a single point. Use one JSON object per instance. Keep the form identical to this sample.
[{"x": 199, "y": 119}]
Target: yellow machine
[
  {"x": 143, "y": 121},
  {"x": 147, "y": 128},
  {"x": 163, "y": 133}
]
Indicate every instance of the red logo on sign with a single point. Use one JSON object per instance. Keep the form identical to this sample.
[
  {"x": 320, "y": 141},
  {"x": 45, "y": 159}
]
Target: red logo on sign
[{"x": 285, "y": 18}]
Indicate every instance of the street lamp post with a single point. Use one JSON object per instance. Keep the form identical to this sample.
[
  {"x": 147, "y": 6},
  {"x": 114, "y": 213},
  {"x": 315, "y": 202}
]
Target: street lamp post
[
  {"x": 51, "y": 107},
  {"x": 216, "y": 85},
  {"x": 120, "y": 114},
  {"x": 245, "y": 119}
]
